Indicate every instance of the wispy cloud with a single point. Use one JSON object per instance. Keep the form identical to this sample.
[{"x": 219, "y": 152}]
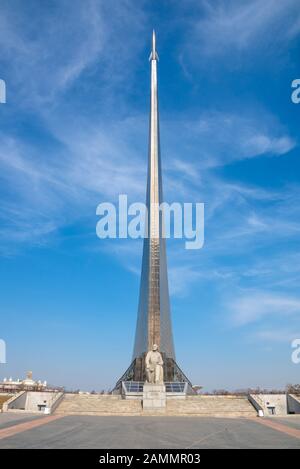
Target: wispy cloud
[
  {"x": 227, "y": 27},
  {"x": 255, "y": 134},
  {"x": 57, "y": 189},
  {"x": 181, "y": 279},
  {"x": 97, "y": 158},
  {"x": 53, "y": 47},
  {"x": 279, "y": 335},
  {"x": 94, "y": 158},
  {"x": 255, "y": 305}
]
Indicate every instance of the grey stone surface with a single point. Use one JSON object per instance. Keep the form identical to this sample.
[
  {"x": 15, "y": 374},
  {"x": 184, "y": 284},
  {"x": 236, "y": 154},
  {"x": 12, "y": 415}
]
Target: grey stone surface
[
  {"x": 154, "y": 396},
  {"x": 278, "y": 402},
  {"x": 8, "y": 420},
  {"x": 293, "y": 403},
  {"x": 151, "y": 432},
  {"x": 292, "y": 421}
]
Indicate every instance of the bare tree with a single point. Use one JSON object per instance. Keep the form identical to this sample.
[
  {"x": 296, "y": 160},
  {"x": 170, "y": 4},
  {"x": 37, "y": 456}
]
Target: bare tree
[{"x": 293, "y": 389}]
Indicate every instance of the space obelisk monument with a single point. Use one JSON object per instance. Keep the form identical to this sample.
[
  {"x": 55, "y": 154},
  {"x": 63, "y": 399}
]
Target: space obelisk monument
[
  {"x": 153, "y": 321},
  {"x": 154, "y": 318}
]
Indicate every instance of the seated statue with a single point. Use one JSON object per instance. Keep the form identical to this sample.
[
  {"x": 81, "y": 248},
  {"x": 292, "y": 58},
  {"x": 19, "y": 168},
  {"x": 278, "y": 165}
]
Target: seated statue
[{"x": 154, "y": 366}]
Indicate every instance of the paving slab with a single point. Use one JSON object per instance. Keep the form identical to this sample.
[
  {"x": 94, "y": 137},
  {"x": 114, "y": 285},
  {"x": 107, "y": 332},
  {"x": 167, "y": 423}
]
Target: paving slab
[
  {"x": 150, "y": 432},
  {"x": 292, "y": 421},
  {"x": 9, "y": 419}
]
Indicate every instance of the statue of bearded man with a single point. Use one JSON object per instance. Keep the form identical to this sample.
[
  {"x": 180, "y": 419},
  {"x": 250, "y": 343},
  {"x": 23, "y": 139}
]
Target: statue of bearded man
[{"x": 154, "y": 366}]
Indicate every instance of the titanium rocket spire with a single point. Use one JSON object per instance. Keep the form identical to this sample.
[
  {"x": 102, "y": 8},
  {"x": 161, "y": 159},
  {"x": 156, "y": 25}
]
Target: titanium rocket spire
[
  {"x": 153, "y": 54},
  {"x": 154, "y": 321}
]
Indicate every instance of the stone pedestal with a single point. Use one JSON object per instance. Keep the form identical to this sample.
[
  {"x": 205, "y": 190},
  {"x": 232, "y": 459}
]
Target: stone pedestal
[{"x": 154, "y": 397}]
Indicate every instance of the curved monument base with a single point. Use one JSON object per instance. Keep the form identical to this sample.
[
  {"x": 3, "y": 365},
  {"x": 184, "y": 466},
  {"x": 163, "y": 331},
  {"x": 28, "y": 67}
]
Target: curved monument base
[{"x": 136, "y": 373}]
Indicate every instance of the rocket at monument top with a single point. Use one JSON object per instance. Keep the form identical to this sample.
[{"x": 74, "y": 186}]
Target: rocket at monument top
[{"x": 153, "y": 54}]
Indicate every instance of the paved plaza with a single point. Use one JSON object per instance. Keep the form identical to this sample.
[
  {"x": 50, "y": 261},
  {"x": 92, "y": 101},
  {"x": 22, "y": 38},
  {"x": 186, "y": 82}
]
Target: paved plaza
[
  {"x": 148, "y": 432},
  {"x": 10, "y": 419}
]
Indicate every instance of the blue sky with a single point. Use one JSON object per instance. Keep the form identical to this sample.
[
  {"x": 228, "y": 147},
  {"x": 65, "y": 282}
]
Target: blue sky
[{"x": 74, "y": 133}]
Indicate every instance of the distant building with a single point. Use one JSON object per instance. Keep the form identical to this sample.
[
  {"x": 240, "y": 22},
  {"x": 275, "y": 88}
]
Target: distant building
[{"x": 28, "y": 384}]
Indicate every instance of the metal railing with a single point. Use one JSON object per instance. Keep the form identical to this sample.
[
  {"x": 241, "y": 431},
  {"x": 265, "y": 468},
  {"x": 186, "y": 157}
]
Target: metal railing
[{"x": 136, "y": 387}]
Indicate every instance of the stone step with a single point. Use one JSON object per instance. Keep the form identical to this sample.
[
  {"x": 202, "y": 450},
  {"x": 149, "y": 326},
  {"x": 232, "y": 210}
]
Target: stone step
[
  {"x": 99, "y": 412},
  {"x": 97, "y": 405},
  {"x": 214, "y": 406},
  {"x": 92, "y": 396},
  {"x": 211, "y": 405}
]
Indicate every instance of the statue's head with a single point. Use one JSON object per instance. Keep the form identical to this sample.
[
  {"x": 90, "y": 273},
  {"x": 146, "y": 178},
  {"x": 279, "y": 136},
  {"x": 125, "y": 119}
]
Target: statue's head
[{"x": 155, "y": 347}]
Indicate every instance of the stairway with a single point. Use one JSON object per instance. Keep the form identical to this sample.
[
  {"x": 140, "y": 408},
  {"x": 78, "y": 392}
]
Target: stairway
[
  {"x": 201, "y": 406},
  {"x": 211, "y": 406},
  {"x": 90, "y": 404}
]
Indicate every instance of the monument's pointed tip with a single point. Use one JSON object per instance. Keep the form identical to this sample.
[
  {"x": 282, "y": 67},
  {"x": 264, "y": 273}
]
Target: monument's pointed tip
[
  {"x": 153, "y": 55},
  {"x": 153, "y": 41}
]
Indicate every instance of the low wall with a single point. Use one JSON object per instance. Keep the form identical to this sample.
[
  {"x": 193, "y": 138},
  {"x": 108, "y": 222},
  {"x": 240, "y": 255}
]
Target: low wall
[
  {"x": 4, "y": 397},
  {"x": 270, "y": 404},
  {"x": 257, "y": 404},
  {"x": 16, "y": 402},
  {"x": 56, "y": 401},
  {"x": 293, "y": 404},
  {"x": 33, "y": 402}
]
